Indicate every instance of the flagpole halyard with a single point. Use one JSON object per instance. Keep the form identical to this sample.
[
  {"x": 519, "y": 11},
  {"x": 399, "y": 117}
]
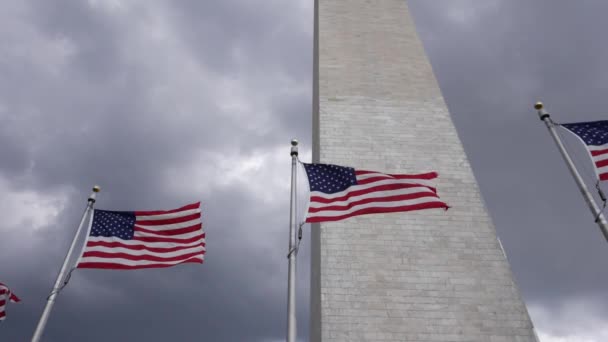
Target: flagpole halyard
[
  {"x": 597, "y": 214},
  {"x": 50, "y": 301},
  {"x": 291, "y": 278}
]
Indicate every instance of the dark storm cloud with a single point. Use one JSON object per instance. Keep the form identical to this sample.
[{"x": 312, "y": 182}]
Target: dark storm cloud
[
  {"x": 237, "y": 49},
  {"x": 12, "y": 160},
  {"x": 135, "y": 99},
  {"x": 126, "y": 96},
  {"x": 98, "y": 53},
  {"x": 287, "y": 51}
]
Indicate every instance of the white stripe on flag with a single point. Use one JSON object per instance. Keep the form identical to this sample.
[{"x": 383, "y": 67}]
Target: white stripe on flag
[
  {"x": 128, "y": 262},
  {"x": 168, "y": 216},
  {"x": 372, "y": 185},
  {"x": 171, "y": 226},
  {"x": 144, "y": 252},
  {"x": 596, "y": 147},
  {"x": 160, "y": 244},
  {"x": 180, "y": 236},
  {"x": 331, "y": 213},
  {"x": 376, "y": 194}
]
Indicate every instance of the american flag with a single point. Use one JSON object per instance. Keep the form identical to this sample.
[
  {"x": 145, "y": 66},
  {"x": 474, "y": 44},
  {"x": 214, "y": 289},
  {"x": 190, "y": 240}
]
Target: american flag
[
  {"x": 339, "y": 192},
  {"x": 5, "y": 296},
  {"x": 594, "y": 135},
  {"x": 144, "y": 239}
]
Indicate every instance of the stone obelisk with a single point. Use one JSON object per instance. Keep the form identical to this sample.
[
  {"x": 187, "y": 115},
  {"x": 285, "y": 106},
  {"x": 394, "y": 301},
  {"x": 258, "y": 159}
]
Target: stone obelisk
[{"x": 429, "y": 275}]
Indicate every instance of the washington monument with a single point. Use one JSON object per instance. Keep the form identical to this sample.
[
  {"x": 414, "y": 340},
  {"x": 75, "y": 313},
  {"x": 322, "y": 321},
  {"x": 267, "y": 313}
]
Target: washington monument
[{"x": 429, "y": 275}]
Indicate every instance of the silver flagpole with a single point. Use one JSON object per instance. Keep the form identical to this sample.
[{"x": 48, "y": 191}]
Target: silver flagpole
[
  {"x": 59, "y": 283},
  {"x": 291, "y": 280},
  {"x": 597, "y": 214}
]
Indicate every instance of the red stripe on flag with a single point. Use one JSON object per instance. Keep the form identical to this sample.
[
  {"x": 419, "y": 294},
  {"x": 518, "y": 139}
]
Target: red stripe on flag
[
  {"x": 115, "y": 266},
  {"x": 159, "y": 239},
  {"x": 601, "y": 163},
  {"x": 141, "y": 247},
  {"x": 426, "y": 175},
  {"x": 170, "y": 232},
  {"x": 386, "y": 187},
  {"x": 373, "y": 200},
  {"x": 373, "y": 179},
  {"x": 385, "y": 178},
  {"x": 139, "y": 257},
  {"x": 604, "y": 176},
  {"x": 168, "y": 221},
  {"x": 430, "y": 205},
  {"x": 598, "y": 152},
  {"x": 160, "y": 212}
]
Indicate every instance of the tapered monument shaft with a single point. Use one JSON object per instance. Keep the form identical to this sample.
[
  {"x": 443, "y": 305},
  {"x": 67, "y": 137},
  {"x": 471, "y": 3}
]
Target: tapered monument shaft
[{"x": 429, "y": 275}]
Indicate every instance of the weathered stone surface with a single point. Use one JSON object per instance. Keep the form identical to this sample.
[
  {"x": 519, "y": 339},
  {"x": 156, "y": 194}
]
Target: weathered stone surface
[{"x": 429, "y": 275}]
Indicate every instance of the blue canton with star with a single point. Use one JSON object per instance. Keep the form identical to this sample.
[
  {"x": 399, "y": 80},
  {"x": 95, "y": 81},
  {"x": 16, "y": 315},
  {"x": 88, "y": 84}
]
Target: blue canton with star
[
  {"x": 118, "y": 224},
  {"x": 329, "y": 178},
  {"x": 593, "y": 133}
]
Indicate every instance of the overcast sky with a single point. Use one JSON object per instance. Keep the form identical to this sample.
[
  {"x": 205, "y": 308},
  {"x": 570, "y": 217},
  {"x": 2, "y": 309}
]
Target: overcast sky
[{"x": 166, "y": 103}]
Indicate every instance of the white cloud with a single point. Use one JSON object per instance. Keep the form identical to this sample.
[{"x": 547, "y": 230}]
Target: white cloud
[
  {"x": 577, "y": 319},
  {"x": 469, "y": 13},
  {"x": 28, "y": 209},
  {"x": 108, "y": 5},
  {"x": 264, "y": 173},
  {"x": 543, "y": 337}
]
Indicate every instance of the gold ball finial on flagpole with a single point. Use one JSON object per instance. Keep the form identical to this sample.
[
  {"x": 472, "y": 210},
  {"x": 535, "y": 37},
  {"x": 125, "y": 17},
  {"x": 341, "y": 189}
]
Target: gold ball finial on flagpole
[
  {"x": 540, "y": 110},
  {"x": 96, "y": 188},
  {"x": 294, "y": 147}
]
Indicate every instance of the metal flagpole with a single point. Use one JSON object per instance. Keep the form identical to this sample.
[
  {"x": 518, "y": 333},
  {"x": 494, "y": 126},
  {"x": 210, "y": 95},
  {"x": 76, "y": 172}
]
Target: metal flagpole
[
  {"x": 291, "y": 280},
  {"x": 597, "y": 214},
  {"x": 59, "y": 283}
]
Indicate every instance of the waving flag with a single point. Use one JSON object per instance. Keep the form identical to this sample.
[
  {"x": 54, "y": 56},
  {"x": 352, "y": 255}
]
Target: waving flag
[
  {"x": 339, "y": 192},
  {"x": 594, "y": 135},
  {"x": 5, "y": 296},
  {"x": 144, "y": 239}
]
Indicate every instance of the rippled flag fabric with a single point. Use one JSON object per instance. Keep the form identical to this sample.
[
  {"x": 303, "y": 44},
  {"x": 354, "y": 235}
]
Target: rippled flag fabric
[
  {"x": 594, "y": 135},
  {"x": 5, "y": 296},
  {"x": 339, "y": 192},
  {"x": 144, "y": 239}
]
